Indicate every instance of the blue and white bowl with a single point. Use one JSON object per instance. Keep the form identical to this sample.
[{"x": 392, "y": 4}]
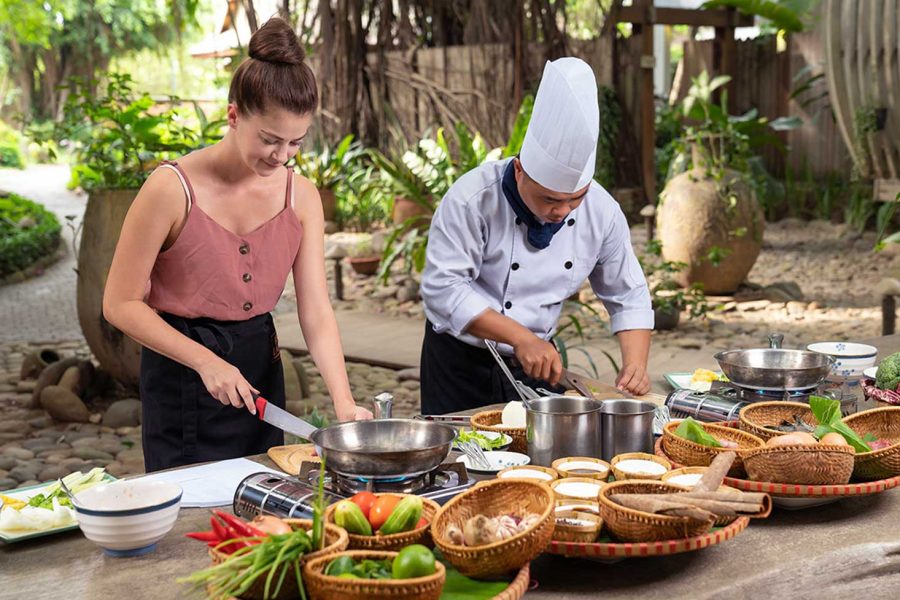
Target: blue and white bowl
[
  {"x": 128, "y": 517},
  {"x": 850, "y": 359}
]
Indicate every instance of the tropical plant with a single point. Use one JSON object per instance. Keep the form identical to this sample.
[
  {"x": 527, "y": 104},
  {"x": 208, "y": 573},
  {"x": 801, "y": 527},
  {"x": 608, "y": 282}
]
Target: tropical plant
[
  {"x": 784, "y": 15},
  {"x": 570, "y": 337},
  {"x": 666, "y": 294},
  {"x": 118, "y": 137},
  {"x": 520, "y": 126},
  {"x": 362, "y": 203},
  {"x": 328, "y": 168},
  {"x": 28, "y": 231}
]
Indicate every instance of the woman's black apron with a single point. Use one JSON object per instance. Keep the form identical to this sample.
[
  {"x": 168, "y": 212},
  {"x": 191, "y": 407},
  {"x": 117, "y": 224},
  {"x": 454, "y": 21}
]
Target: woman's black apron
[
  {"x": 456, "y": 376},
  {"x": 182, "y": 423}
]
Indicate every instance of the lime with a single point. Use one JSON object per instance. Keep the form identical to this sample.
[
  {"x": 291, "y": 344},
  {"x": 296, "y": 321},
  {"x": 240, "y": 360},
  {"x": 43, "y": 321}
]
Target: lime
[
  {"x": 413, "y": 561},
  {"x": 340, "y": 565}
]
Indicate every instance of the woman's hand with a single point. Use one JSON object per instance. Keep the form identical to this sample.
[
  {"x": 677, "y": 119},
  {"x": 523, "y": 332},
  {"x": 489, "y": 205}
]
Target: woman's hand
[
  {"x": 353, "y": 412},
  {"x": 225, "y": 383}
]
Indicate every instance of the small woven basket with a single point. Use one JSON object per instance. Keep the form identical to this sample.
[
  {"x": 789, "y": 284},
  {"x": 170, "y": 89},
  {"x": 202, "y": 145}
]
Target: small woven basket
[
  {"x": 621, "y": 475},
  {"x": 490, "y": 420},
  {"x": 335, "y": 541},
  {"x": 328, "y": 587},
  {"x": 602, "y": 467},
  {"x": 883, "y": 423},
  {"x": 510, "y": 473},
  {"x": 760, "y": 417},
  {"x": 394, "y": 541},
  {"x": 567, "y": 481},
  {"x": 570, "y": 532},
  {"x": 494, "y": 498},
  {"x": 813, "y": 464},
  {"x": 629, "y": 525},
  {"x": 692, "y": 454}
]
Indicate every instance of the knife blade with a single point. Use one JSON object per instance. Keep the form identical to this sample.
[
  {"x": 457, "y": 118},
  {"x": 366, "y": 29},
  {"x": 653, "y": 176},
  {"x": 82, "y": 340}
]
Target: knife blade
[
  {"x": 574, "y": 381},
  {"x": 282, "y": 419}
]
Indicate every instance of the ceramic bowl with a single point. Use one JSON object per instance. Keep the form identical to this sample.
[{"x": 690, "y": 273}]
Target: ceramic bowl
[
  {"x": 850, "y": 359},
  {"x": 128, "y": 517}
]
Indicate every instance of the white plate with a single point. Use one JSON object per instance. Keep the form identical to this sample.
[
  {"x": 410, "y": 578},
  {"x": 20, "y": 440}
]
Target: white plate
[
  {"x": 871, "y": 372},
  {"x": 499, "y": 460},
  {"x": 493, "y": 435}
]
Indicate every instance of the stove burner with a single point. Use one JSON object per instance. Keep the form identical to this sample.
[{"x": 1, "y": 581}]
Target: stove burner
[
  {"x": 733, "y": 391},
  {"x": 445, "y": 476}
]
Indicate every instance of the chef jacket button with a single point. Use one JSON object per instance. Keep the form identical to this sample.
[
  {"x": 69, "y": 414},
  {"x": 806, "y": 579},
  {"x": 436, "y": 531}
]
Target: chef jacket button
[
  {"x": 248, "y": 306},
  {"x": 518, "y": 221},
  {"x": 515, "y": 266},
  {"x": 246, "y": 277},
  {"x": 568, "y": 264},
  {"x": 570, "y": 222},
  {"x": 244, "y": 248},
  {"x": 508, "y": 304}
]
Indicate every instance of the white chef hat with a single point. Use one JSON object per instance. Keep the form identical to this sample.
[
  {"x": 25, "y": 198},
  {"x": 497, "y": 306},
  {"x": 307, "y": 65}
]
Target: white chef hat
[{"x": 560, "y": 146}]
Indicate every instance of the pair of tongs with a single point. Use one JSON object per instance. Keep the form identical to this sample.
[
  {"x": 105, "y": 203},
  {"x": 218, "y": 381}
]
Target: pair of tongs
[{"x": 524, "y": 392}]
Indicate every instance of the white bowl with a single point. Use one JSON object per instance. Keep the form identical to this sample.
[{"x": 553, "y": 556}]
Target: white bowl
[
  {"x": 128, "y": 518},
  {"x": 850, "y": 359}
]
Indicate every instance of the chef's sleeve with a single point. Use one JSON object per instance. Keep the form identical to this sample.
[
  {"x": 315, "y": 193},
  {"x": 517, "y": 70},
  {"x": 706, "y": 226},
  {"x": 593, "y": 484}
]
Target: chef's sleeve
[
  {"x": 452, "y": 262},
  {"x": 619, "y": 281}
]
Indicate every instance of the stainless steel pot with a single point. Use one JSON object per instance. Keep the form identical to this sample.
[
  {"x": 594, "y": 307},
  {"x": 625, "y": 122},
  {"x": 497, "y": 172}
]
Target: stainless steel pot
[
  {"x": 627, "y": 427},
  {"x": 774, "y": 368},
  {"x": 558, "y": 426}
]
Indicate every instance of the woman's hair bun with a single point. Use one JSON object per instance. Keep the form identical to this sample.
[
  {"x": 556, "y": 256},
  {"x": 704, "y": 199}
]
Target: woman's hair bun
[{"x": 276, "y": 42}]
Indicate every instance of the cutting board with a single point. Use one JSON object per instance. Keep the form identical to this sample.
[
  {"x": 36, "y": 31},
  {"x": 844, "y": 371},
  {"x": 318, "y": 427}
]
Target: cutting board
[
  {"x": 288, "y": 458},
  {"x": 606, "y": 391}
]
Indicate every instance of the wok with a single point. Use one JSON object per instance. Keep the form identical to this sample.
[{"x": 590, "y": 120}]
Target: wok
[
  {"x": 384, "y": 448},
  {"x": 774, "y": 369}
]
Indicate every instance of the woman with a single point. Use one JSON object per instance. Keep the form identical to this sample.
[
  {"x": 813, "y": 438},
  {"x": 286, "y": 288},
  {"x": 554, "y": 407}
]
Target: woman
[{"x": 216, "y": 234}]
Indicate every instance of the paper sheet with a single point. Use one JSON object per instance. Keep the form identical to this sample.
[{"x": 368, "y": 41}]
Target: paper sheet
[{"x": 213, "y": 484}]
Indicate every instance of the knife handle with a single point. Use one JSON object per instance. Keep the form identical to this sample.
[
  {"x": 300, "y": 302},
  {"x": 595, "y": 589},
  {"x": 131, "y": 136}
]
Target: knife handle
[{"x": 261, "y": 404}]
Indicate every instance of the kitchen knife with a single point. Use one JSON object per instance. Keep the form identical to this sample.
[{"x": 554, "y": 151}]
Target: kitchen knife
[
  {"x": 282, "y": 419},
  {"x": 574, "y": 381}
]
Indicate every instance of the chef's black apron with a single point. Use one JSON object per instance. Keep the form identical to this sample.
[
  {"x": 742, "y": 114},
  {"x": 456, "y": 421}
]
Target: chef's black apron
[
  {"x": 182, "y": 423},
  {"x": 456, "y": 376}
]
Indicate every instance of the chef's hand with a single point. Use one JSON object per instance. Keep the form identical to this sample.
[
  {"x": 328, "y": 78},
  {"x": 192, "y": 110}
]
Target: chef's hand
[
  {"x": 353, "y": 412},
  {"x": 633, "y": 378},
  {"x": 539, "y": 359},
  {"x": 225, "y": 383}
]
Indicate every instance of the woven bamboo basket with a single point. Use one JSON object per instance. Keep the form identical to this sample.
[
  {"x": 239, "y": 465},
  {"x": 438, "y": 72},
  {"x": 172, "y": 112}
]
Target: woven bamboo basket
[
  {"x": 692, "y": 454},
  {"x": 883, "y": 423},
  {"x": 602, "y": 467},
  {"x": 813, "y": 464},
  {"x": 394, "y": 541},
  {"x": 759, "y": 418},
  {"x": 563, "y": 495},
  {"x": 579, "y": 505},
  {"x": 328, "y": 587},
  {"x": 335, "y": 541},
  {"x": 494, "y": 498},
  {"x": 510, "y": 473},
  {"x": 490, "y": 420},
  {"x": 621, "y": 475},
  {"x": 570, "y": 532},
  {"x": 629, "y": 525},
  {"x": 667, "y": 478}
]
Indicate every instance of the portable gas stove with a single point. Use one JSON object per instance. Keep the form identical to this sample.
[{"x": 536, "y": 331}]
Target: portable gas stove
[{"x": 292, "y": 497}]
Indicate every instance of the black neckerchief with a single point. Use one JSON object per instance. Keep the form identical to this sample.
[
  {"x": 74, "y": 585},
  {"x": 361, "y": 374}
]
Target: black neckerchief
[{"x": 539, "y": 234}]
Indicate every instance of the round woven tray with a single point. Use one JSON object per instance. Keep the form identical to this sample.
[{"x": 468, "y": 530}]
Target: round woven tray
[
  {"x": 608, "y": 549},
  {"x": 327, "y": 587},
  {"x": 882, "y": 423},
  {"x": 759, "y": 417},
  {"x": 394, "y": 541},
  {"x": 490, "y": 420}
]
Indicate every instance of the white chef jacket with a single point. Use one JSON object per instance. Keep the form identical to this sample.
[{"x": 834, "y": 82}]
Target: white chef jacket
[{"x": 478, "y": 258}]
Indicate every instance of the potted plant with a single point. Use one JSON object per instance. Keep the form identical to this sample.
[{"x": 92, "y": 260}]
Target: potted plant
[
  {"x": 363, "y": 258},
  {"x": 116, "y": 138},
  {"x": 709, "y": 216},
  {"x": 363, "y": 203},
  {"x": 328, "y": 168},
  {"x": 667, "y": 297}
]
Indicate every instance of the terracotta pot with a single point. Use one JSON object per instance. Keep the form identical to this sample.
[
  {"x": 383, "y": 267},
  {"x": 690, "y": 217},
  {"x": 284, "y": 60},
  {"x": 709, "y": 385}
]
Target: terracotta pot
[
  {"x": 365, "y": 265},
  {"x": 118, "y": 354},
  {"x": 693, "y": 217},
  {"x": 329, "y": 204},
  {"x": 665, "y": 319},
  {"x": 405, "y": 209}
]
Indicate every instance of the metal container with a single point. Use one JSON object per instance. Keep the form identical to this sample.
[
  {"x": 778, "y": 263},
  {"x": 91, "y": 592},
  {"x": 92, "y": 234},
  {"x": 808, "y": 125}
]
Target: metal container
[
  {"x": 704, "y": 406},
  {"x": 278, "y": 495},
  {"x": 627, "y": 426},
  {"x": 559, "y": 426}
]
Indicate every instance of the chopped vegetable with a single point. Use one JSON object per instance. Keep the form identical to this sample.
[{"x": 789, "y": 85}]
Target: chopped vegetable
[{"x": 691, "y": 430}]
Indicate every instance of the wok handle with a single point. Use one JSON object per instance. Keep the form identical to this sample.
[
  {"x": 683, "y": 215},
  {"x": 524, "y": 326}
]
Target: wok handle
[{"x": 776, "y": 340}]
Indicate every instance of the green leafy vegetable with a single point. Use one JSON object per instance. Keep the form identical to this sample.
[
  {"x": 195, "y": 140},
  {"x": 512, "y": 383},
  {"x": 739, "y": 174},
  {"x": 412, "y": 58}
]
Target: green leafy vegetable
[
  {"x": 459, "y": 587},
  {"x": 828, "y": 414},
  {"x": 888, "y": 375},
  {"x": 482, "y": 440},
  {"x": 691, "y": 430}
]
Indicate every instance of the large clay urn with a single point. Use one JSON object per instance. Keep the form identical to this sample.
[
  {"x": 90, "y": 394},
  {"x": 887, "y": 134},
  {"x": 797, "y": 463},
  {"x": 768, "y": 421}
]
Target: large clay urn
[
  {"x": 118, "y": 354},
  {"x": 405, "y": 209},
  {"x": 697, "y": 213}
]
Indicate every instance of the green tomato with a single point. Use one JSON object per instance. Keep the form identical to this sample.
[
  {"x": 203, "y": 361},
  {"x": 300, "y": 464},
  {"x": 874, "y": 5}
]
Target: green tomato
[
  {"x": 340, "y": 566},
  {"x": 413, "y": 561}
]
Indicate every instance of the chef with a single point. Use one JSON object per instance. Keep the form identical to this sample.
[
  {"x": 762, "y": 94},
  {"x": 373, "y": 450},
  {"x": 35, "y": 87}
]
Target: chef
[{"x": 514, "y": 238}]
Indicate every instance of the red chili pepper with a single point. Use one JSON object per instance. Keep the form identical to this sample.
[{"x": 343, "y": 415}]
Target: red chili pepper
[
  {"x": 243, "y": 528},
  {"x": 203, "y": 536},
  {"x": 219, "y": 529}
]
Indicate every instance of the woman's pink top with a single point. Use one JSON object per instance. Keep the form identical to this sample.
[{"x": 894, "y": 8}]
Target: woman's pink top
[{"x": 212, "y": 272}]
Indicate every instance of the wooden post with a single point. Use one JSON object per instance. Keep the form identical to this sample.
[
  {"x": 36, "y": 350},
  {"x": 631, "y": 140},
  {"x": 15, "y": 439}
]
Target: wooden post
[
  {"x": 725, "y": 52},
  {"x": 338, "y": 279},
  {"x": 648, "y": 109},
  {"x": 888, "y": 314}
]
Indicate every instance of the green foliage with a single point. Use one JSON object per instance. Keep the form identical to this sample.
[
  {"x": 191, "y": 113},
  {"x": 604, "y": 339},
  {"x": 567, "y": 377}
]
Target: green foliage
[
  {"x": 362, "y": 203},
  {"x": 785, "y": 15},
  {"x": 665, "y": 293},
  {"x": 888, "y": 375},
  {"x": 10, "y": 147},
  {"x": 520, "y": 126},
  {"x": 608, "y": 140},
  {"x": 328, "y": 168},
  {"x": 21, "y": 245},
  {"x": 570, "y": 337},
  {"x": 118, "y": 137}
]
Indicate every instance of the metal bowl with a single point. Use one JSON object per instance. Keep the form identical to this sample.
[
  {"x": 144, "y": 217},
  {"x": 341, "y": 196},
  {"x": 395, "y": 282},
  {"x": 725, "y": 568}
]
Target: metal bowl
[
  {"x": 774, "y": 369},
  {"x": 384, "y": 448}
]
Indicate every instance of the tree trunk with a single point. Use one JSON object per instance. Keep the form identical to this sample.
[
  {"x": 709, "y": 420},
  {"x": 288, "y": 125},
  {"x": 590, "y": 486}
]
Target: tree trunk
[{"x": 251, "y": 16}]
